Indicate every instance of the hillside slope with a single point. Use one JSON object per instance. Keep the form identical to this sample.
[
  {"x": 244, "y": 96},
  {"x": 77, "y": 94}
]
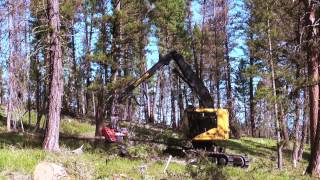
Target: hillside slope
[{"x": 20, "y": 153}]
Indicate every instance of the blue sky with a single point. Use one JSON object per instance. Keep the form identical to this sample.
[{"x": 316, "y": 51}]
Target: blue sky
[
  {"x": 152, "y": 48},
  {"x": 236, "y": 53}
]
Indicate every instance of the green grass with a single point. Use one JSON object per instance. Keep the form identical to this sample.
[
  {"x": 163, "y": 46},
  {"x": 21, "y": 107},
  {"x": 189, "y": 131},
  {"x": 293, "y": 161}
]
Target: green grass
[
  {"x": 20, "y": 152},
  {"x": 74, "y": 127},
  {"x": 68, "y": 126},
  {"x": 17, "y": 156},
  {"x": 262, "y": 153},
  {"x": 23, "y": 160},
  {"x": 138, "y": 169},
  {"x": 33, "y": 118}
]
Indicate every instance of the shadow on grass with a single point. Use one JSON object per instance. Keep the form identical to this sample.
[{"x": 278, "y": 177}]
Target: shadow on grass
[
  {"x": 248, "y": 147},
  {"x": 30, "y": 139},
  {"x": 288, "y": 154},
  {"x": 19, "y": 140},
  {"x": 306, "y": 155},
  {"x": 165, "y": 136},
  {"x": 254, "y": 148},
  {"x": 34, "y": 141}
]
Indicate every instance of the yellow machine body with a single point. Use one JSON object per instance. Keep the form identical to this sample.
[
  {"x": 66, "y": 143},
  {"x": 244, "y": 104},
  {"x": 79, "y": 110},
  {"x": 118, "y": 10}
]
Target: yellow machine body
[{"x": 206, "y": 124}]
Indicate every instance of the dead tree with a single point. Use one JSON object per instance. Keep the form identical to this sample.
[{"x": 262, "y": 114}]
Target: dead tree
[{"x": 17, "y": 60}]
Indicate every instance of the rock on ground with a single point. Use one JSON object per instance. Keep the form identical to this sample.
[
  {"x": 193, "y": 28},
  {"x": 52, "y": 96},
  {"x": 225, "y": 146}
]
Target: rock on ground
[{"x": 52, "y": 171}]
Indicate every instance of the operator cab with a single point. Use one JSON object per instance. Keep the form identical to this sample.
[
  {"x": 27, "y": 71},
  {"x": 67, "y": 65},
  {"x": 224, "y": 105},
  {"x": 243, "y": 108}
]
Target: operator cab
[{"x": 206, "y": 124}]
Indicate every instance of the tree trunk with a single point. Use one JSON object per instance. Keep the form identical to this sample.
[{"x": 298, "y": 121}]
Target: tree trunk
[
  {"x": 204, "y": 5},
  {"x": 297, "y": 142},
  {"x": 235, "y": 129},
  {"x": 180, "y": 102},
  {"x": 275, "y": 103},
  {"x": 145, "y": 96},
  {"x": 304, "y": 125},
  {"x": 93, "y": 104},
  {"x": 283, "y": 126},
  {"x": 102, "y": 78},
  {"x": 99, "y": 116},
  {"x": 144, "y": 85},
  {"x": 11, "y": 83},
  {"x": 314, "y": 163},
  {"x": 172, "y": 98},
  {"x": 312, "y": 13},
  {"x": 38, "y": 93},
  {"x": 75, "y": 94},
  {"x": 51, "y": 141},
  {"x": 87, "y": 67},
  {"x": 156, "y": 102},
  {"x": 116, "y": 54},
  {"x": 251, "y": 96},
  {"x": 252, "y": 104},
  {"x": 16, "y": 83},
  {"x": 211, "y": 87},
  {"x": 161, "y": 101},
  {"x": 216, "y": 70}
]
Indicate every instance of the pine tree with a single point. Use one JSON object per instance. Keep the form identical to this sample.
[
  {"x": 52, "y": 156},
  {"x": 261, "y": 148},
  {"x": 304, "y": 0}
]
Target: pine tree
[
  {"x": 312, "y": 37},
  {"x": 242, "y": 88},
  {"x": 51, "y": 141}
]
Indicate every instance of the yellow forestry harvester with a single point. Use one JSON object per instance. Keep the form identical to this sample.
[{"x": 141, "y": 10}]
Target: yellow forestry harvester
[
  {"x": 214, "y": 125},
  {"x": 204, "y": 125}
]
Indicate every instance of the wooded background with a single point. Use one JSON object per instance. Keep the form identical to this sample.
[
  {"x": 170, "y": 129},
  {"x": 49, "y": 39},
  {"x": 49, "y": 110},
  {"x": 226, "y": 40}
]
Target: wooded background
[{"x": 80, "y": 52}]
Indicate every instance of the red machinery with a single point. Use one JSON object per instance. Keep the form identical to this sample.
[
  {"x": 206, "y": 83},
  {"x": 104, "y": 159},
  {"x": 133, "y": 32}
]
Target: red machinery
[{"x": 113, "y": 135}]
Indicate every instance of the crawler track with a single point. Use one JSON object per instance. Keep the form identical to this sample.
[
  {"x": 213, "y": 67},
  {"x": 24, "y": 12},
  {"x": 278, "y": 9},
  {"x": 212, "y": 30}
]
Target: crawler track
[
  {"x": 229, "y": 159},
  {"x": 218, "y": 155}
]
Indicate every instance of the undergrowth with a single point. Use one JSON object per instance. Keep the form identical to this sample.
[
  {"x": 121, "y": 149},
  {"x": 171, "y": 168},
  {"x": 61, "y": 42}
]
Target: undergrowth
[
  {"x": 21, "y": 152},
  {"x": 73, "y": 127}
]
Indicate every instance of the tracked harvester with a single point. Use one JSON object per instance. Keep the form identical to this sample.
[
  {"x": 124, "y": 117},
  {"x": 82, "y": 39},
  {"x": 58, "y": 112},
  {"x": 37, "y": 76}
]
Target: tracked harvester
[{"x": 204, "y": 125}]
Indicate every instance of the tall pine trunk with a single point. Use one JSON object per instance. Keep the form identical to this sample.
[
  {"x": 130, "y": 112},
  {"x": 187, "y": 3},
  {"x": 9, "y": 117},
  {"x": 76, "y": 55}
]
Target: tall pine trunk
[
  {"x": 173, "y": 99},
  {"x": 101, "y": 103},
  {"x": 312, "y": 13},
  {"x": 202, "y": 40},
  {"x": 305, "y": 124},
  {"x": 180, "y": 101},
  {"x": 75, "y": 73},
  {"x": 51, "y": 141},
  {"x": 86, "y": 78},
  {"x": 251, "y": 103},
  {"x": 100, "y": 109},
  {"x": 297, "y": 139},
  {"x": 275, "y": 103},
  {"x": 116, "y": 55},
  {"x": 282, "y": 122}
]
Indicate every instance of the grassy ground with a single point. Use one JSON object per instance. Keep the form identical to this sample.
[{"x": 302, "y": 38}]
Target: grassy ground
[{"x": 20, "y": 153}]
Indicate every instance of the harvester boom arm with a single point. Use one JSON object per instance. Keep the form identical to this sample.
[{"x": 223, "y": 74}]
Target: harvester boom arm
[
  {"x": 187, "y": 74},
  {"x": 194, "y": 82},
  {"x": 145, "y": 76}
]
